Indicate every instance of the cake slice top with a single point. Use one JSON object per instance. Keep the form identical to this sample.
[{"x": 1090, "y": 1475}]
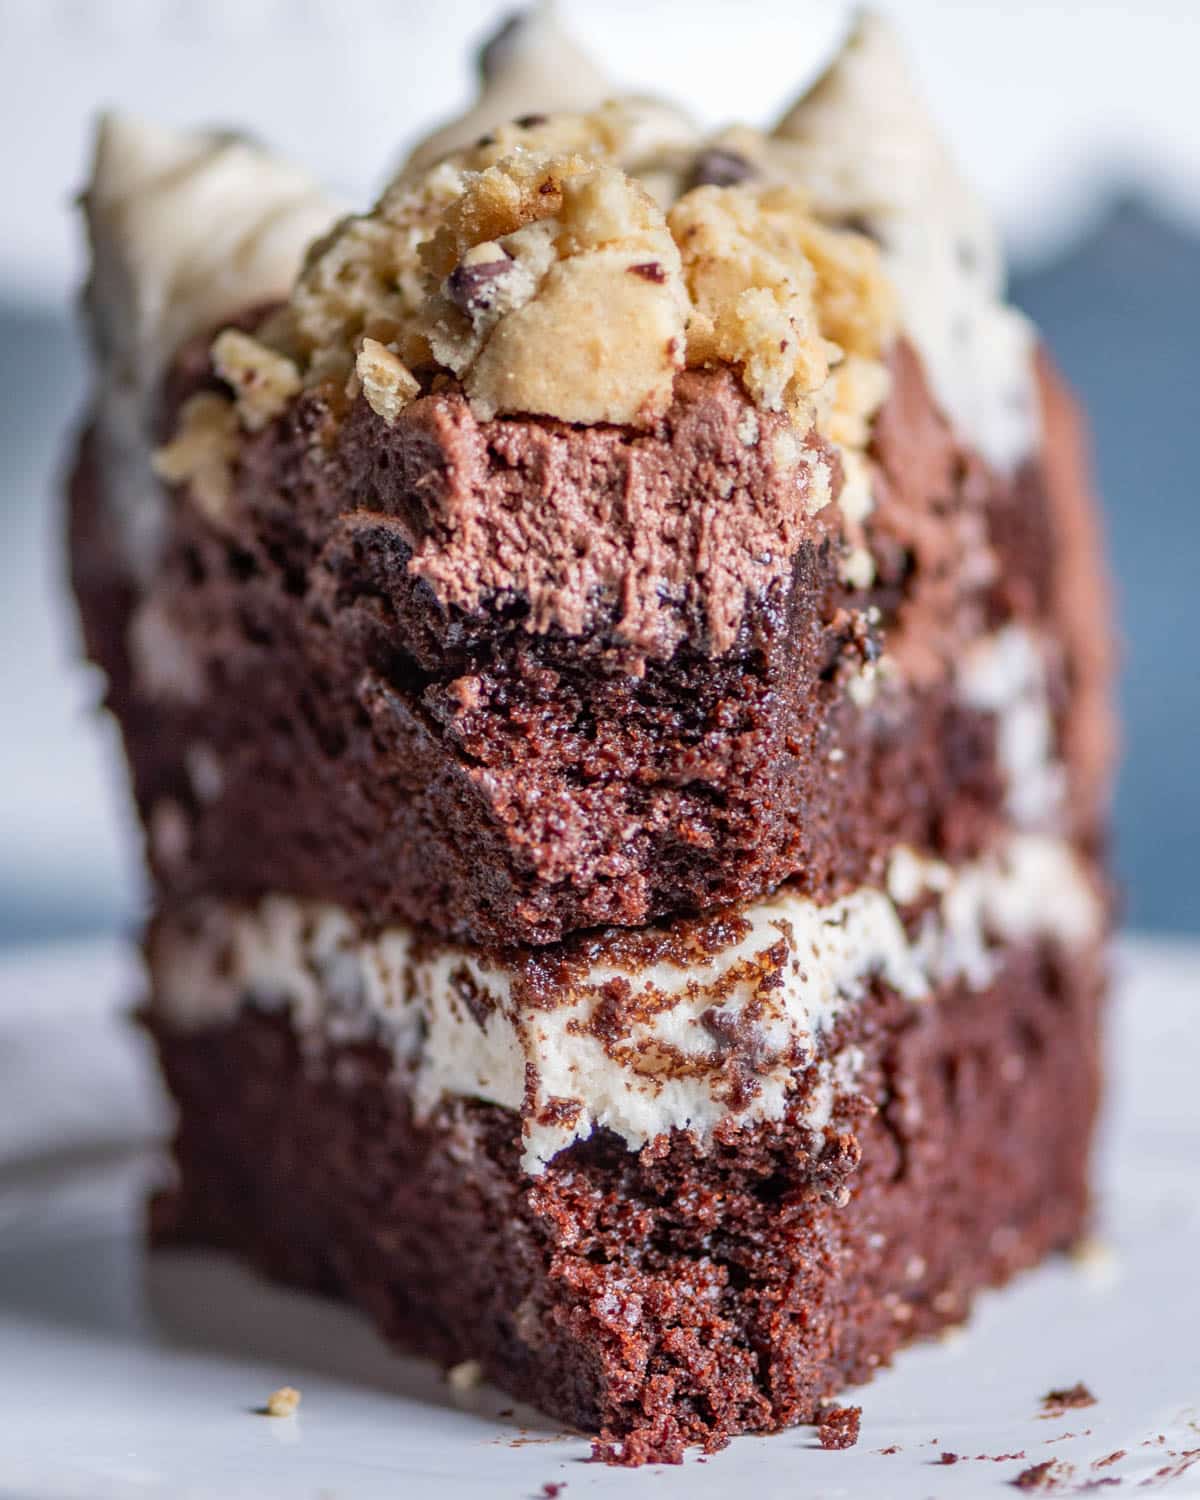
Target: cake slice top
[
  {"x": 572, "y": 268},
  {"x": 570, "y": 264}
]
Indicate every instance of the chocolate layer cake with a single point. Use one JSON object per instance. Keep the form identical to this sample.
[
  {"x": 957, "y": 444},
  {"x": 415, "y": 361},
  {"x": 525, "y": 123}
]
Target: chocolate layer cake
[{"x": 611, "y": 646}]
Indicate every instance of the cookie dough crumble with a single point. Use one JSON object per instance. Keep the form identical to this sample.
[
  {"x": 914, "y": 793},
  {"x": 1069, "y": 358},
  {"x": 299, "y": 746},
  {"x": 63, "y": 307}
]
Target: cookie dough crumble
[
  {"x": 464, "y": 1376},
  {"x": 201, "y": 453},
  {"x": 282, "y": 1403}
]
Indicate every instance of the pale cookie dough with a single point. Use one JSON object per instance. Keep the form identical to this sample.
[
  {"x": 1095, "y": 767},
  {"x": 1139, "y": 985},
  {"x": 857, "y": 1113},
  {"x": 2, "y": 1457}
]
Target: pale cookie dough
[
  {"x": 264, "y": 381},
  {"x": 201, "y": 452},
  {"x": 538, "y": 269},
  {"x": 581, "y": 315}
]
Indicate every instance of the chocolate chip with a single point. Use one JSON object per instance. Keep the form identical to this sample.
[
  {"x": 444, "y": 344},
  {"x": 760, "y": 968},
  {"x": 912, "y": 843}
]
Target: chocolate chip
[
  {"x": 859, "y": 224},
  {"x": 649, "y": 270},
  {"x": 528, "y": 122},
  {"x": 720, "y": 167},
  {"x": 473, "y": 288},
  {"x": 838, "y": 1427}
]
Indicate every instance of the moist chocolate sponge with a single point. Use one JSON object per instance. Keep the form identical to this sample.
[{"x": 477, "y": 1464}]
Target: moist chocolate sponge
[{"x": 316, "y": 718}]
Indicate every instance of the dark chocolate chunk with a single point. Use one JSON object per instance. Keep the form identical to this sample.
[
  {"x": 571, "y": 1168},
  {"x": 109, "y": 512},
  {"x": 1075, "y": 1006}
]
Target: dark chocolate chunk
[
  {"x": 719, "y": 167},
  {"x": 859, "y": 224},
  {"x": 473, "y": 288}
]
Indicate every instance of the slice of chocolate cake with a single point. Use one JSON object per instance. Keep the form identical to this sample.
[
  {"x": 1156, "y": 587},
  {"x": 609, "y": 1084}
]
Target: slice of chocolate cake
[{"x": 612, "y": 652}]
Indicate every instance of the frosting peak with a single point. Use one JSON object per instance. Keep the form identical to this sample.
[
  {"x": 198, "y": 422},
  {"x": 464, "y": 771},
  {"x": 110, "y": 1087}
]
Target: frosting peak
[
  {"x": 863, "y": 144},
  {"x": 531, "y": 63}
]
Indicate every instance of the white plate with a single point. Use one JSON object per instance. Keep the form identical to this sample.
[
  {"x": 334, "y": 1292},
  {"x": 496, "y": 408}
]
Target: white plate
[{"x": 122, "y": 1377}]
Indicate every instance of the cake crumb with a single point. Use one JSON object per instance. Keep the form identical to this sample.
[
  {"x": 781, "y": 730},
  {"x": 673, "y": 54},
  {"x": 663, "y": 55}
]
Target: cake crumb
[
  {"x": 1172, "y": 1471},
  {"x": 1049, "y": 1476},
  {"x": 948, "y": 1458},
  {"x": 283, "y": 1402},
  {"x": 464, "y": 1376},
  {"x": 263, "y": 380},
  {"x": 1070, "y": 1398},
  {"x": 838, "y": 1427},
  {"x": 553, "y": 1488},
  {"x": 387, "y": 383},
  {"x": 1097, "y": 1261},
  {"x": 1109, "y": 1459}
]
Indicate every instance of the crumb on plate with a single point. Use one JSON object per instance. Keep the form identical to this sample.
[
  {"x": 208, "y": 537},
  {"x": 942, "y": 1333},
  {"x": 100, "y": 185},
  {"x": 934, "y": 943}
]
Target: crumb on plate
[{"x": 283, "y": 1402}]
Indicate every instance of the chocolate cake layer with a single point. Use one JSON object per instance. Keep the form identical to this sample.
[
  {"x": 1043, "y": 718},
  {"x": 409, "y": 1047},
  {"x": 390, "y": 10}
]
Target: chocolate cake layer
[
  {"x": 304, "y": 712},
  {"x": 689, "y": 1291}
]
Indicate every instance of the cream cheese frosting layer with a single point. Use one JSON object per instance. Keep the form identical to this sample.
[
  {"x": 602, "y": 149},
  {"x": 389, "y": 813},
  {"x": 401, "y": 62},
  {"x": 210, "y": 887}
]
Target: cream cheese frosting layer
[{"x": 683, "y": 1026}]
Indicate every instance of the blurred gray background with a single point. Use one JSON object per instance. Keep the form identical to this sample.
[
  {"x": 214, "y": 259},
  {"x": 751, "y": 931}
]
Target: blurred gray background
[{"x": 1078, "y": 121}]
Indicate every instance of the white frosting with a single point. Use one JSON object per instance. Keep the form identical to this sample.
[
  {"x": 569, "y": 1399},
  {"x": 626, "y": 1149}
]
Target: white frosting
[
  {"x": 1005, "y": 674},
  {"x": 861, "y": 143},
  {"x": 187, "y": 228},
  {"x": 796, "y": 967}
]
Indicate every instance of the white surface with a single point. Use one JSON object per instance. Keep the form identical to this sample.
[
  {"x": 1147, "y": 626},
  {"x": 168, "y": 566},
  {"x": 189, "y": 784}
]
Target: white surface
[{"x": 121, "y": 1378}]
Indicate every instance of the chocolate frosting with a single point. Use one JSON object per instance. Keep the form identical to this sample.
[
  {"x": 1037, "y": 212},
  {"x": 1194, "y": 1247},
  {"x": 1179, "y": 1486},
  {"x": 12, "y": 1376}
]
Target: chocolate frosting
[{"x": 673, "y": 531}]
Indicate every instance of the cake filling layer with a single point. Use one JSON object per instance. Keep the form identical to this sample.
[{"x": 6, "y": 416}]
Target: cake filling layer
[{"x": 682, "y": 1026}]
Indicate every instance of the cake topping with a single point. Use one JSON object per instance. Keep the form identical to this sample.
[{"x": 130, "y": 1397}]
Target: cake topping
[
  {"x": 264, "y": 381},
  {"x": 554, "y": 324},
  {"x": 201, "y": 452},
  {"x": 539, "y": 268},
  {"x": 477, "y": 282},
  {"x": 387, "y": 384},
  {"x": 573, "y": 266},
  {"x": 284, "y": 1402}
]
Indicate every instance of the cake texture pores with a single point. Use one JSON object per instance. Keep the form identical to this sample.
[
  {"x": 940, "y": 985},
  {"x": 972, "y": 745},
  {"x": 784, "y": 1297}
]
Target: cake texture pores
[{"x": 611, "y": 645}]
